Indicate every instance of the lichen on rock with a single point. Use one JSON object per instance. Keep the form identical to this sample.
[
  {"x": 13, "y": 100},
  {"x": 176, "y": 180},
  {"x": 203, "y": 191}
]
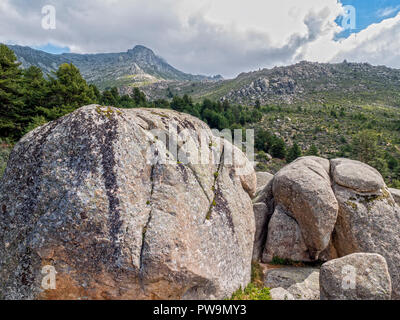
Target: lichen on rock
[{"x": 81, "y": 195}]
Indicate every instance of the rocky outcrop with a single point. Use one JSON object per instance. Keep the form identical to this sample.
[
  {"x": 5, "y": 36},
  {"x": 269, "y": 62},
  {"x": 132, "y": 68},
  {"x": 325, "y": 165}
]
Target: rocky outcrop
[
  {"x": 99, "y": 197},
  {"x": 303, "y": 189},
  {"x": 359, "y": 276},
  {"x": 290, "y": 283},
  {"x": 325, "y": 210},
  {"x": 369, "y": 219}
]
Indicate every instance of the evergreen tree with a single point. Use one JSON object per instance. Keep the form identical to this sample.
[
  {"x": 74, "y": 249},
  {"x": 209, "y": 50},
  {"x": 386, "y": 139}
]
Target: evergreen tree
[
  {"x": 108, "y": 98},
  {"x": 278, "y": 149},
  {"x": 68, "y": 92},
  {"x": 96, "y": 93},
  {"x": 226, "y": 105},
  {"x": 366, "y": 145},
  {"x": 263, "y": 140},
  {"x": 139, "y": 97},
  {"x": 293, "y": 153},
  {"x": 11, "y": 95},
  {"x": 313, "y": 151},
  {"x": 177, "y": 104},
  {"x": 36, "y": 90}
]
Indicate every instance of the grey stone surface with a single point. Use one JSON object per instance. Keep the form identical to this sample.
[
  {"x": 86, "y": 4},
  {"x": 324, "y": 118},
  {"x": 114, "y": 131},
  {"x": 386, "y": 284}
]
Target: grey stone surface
[
  {"x": 292, "y": 283},
  {"x": 263, "y": 206},
  {"x": 359, "y": 276},
  {"x": 262, "y": 216},
  {"x": 79, "y": 194},
  {"x": 284, "y": 239},
  {"x": 395, "y": 194},
  {"x": 263, "y": 178},
  {"x": 369, "y": 223},
  {"x": 356, "y": 175},
  {"x": 303, "y": 189}
]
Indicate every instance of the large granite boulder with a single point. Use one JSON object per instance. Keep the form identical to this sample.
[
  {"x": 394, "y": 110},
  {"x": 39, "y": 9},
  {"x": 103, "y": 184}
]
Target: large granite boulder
[
  {"x": 369, "y": 218},
  {"x": 356, "y": 175},
  {"x": 359, "y": 276},
  {"x": 99, "y": 197},
  {"x": 303, "y": 189}
]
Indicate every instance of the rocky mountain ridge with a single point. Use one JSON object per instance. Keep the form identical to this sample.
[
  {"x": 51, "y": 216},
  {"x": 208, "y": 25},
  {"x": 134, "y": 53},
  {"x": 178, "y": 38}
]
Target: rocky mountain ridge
[
  {"x": 137, "y": 66},
  {"x": 302, "y": 82}
]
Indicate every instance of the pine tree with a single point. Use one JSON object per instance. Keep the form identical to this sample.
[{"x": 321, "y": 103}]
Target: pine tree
[
  {"x": 108, "y": 98},
  {"x": 11, "y": 95},
  {"x": 278, "y": 149},
  {"x": 68, "y": 91},
  {"x": 313, "y": 151},
  {"x": 293, "y": 153},
  {"x": 96, "y": 93},
  {"x": 35, "y": 89},
  {"x": 139, "y": 97}
]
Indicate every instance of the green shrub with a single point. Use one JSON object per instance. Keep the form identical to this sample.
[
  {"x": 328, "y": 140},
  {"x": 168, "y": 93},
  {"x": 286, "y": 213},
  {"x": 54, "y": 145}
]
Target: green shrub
[
  {"x": 257, "y": 274},
  {"x": 282, "y": 262},
  {"x": 251, "y": 292}
]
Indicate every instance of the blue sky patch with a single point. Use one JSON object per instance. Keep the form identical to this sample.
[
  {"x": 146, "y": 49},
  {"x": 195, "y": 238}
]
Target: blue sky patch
[
  {"x": 369, "y": 12},
  {"x": 50, "y": 48}
]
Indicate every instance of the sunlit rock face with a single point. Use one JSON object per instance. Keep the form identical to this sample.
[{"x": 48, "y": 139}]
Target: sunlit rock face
[{"x": 80, "y": 195}]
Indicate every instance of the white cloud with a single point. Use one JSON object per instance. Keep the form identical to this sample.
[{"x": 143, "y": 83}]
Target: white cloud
[
  {"x": 199, "y": 36},
  {"x": 388, "y": 11},
  {"x": 379, "y": 44}
]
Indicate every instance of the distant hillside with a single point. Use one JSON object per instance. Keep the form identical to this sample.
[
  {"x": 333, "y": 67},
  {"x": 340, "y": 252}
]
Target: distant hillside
[
  {"x": 303, "y": 82},
  {"x": 137, "y": 66}
]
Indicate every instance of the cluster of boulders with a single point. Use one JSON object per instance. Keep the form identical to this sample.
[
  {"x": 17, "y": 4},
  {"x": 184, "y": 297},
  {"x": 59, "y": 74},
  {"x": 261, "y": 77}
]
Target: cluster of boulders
[
  {"x": 263, "y": 88},
  {"x": 81, "y": 199},
  {"x": 319, "y": 210}
]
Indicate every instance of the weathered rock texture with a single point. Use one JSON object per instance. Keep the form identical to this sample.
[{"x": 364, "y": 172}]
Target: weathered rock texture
[
  {"x": 263, "y": 178},
  {"x": 284, "y": 239},
  {"x": 395, "y": 194},
  {"x": 369, "y": 219},
  {"x": 292, "y": 283},
  {"x": 329, "y": 209},
  {"x": 359, "y": 276},
  {"x": 263, "y": 209},
  {"x": 79, "y": 194},
  {"x": 303, "y": 191}
]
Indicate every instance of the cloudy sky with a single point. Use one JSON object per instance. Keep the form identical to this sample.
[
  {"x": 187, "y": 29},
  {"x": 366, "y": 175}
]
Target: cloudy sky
[{"x": 213, "y": 36}]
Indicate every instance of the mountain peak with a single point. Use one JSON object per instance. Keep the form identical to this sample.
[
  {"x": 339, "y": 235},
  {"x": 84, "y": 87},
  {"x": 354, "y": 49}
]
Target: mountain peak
[
  {"x": 109, "y": 69},
  {"x": 141, "y": 49}
]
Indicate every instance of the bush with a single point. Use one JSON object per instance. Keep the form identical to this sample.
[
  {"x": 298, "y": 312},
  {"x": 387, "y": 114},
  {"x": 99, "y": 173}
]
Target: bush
[
  {"x": 313, "y": 151},
  {"x": 251, "y": 292},
  {"x": 278, "y": 149},
  {"x": 294, "y": 153},
  {"x": 282, "y": 262}
]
